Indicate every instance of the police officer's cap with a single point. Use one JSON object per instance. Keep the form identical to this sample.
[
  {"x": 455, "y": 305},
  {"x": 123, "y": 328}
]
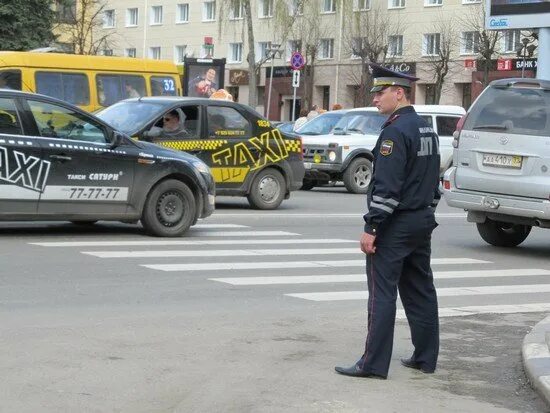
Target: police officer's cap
[{"x": 384, "y": 77}]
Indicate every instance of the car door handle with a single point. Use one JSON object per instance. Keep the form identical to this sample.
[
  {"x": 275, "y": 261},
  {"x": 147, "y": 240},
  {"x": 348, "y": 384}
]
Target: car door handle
[{"x": 61, "y": 158}]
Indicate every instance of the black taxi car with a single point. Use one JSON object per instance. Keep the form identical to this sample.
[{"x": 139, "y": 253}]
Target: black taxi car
[
  {"x": 247, "y": 156},
  {"x": 60, "y": 163}
]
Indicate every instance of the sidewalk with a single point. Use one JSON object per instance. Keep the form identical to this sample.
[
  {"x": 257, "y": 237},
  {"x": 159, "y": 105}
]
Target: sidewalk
[{"x": 536, "y": 358}]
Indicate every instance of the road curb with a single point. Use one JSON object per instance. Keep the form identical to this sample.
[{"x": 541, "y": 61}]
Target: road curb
[{"x": 536, "y": 358}]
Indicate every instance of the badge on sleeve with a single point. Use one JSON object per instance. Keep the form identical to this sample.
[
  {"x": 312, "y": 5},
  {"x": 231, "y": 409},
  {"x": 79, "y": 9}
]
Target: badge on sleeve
[{"x": 386, "y": 147}]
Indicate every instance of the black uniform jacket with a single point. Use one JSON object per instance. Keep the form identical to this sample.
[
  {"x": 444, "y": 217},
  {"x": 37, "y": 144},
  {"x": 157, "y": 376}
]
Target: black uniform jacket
[{"x": 406, "y": 168}]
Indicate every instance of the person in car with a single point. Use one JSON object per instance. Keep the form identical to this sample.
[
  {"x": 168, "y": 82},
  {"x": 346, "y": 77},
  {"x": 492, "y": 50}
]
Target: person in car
[
  {"x": 301, "y": 120},
  {"x": 173, "y": 126}
]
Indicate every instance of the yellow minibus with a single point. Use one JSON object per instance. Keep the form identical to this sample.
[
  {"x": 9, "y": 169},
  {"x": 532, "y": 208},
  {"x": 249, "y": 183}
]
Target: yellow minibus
[{"x": 91, "y": 82}]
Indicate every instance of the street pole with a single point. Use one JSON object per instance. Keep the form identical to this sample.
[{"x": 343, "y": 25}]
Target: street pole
[
  {"x": 543, "y": 62},
  {"x": 294, "y": 106}
]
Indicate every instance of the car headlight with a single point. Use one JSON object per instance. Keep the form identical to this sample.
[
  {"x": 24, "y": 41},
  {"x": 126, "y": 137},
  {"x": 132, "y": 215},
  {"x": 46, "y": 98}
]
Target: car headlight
[
  {"x": 201, "y": 167},
  {"x": 332, "y": 156}
]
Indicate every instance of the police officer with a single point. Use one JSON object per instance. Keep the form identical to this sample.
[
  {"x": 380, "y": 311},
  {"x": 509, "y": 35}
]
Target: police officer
[{"x": 398, "y": 225}]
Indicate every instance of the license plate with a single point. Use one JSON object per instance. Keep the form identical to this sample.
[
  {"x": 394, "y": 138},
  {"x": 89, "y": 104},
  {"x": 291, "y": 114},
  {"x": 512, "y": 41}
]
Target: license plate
[
  {"x": 503, "y": 161},
  {"x": 307, "y": 165}
]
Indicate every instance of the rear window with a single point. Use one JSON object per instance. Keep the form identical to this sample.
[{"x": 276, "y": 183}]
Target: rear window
[
  {"x": 70, "y": 87},
  {"x": 10, "y": 79},
  {"x": 511, "y": 110}
]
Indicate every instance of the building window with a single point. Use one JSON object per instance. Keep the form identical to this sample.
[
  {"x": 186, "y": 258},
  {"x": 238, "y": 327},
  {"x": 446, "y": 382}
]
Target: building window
[
  {"x": 154, "y": 52},
  {"x": 430, "y": 95},
  {"x": 179, "y": 53},
  {"x": 209, "y": 11},
  {"x": 329, "y": 6},
  {"x": 469, "y": 43},
  {"x": 362, "y": 5},
  {"x": 356, "y": 47},
  {"x": 182, "y": 13},
  {"x": 265, "y": 8},
  {"x": 326, "y": 97},
  {"x": 296, "y": 8},
  {"x": 326, "y": 49},
  {"x": 130, "y": 52},
  {"x": 156, "y": 15},
  {"x": 235, "y": 52},
  {"x": 131, "y": 17},
  {"x": 395, "y": 46},
  {"x": 108, "y": 19},
  {"x": 512, "y": 41},
  {"x": 107, "y": 52},
  {"x": 471, "y": 1},
  {"x": 236, "y": 10},
  {"x": 432, "y": 44},
  {"x": 65, "y": 11},
  {"x": 466, "y": 95},
  {"x": 263, "y": 51},
  {"x": 429, "y": 3},
  {"x": 396, "y": 4}
]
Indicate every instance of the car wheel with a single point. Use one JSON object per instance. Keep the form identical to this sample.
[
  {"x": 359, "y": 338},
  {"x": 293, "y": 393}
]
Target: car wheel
[
  {"x": 84, "y": 223},
  {"x": 268, "y": 190},
  {"x": 358, "y": 175},
  {"x": 169, "y": 209},
  {"x": 503, "y": 234},
  {"x": 308, "y": 185}
]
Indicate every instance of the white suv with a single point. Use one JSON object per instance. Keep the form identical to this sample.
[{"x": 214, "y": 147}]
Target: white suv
[
  {"x": 346, "y": 153},
  {"x": 501, "y": 172}
]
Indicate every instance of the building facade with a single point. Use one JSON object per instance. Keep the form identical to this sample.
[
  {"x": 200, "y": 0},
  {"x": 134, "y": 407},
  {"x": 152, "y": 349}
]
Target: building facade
[{"x": 415, "y": 34}]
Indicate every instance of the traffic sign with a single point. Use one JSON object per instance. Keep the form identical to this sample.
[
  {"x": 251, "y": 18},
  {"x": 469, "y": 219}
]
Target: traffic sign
[
  {"x": 297, "y": 61},
  {"x": 295, "y": 78}
]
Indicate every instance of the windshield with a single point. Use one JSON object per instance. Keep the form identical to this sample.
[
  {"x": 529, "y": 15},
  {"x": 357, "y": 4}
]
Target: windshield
[
  {"x": 320, "y": 125},
  {"x": 130, "y": 117},
  {"x": 360, "y": 122},
  {"x": 522, "y": 111}
]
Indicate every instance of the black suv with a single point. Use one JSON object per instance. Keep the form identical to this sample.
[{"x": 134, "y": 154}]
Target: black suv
[{"x": 58, "y": 162}]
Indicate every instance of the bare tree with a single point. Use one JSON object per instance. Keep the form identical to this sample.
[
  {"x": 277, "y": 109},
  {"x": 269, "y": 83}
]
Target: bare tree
[
  {"x": 82, "y": 23},
  {"x": 366, "y": 37},
  {"x": 439, "y": 46},
  {"x": 280, "y": 11}
]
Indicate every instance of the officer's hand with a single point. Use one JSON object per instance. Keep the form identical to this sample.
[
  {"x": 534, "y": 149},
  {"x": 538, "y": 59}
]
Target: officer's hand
[{"x": 367, "y": 243}]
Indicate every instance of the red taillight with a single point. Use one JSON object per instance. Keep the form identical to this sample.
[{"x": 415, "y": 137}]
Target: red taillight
[
  {"x": 456, "y": 134},
  {"x": 447, "y": 185}
]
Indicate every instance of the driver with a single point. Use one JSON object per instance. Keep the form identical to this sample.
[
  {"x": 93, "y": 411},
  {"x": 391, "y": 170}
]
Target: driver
[{"x": 173, "y": 126}]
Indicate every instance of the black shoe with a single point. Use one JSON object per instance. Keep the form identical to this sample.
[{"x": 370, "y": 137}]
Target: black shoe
[
  {"x": 414, "y": 365},
  {"x": 355, "y": 371}
]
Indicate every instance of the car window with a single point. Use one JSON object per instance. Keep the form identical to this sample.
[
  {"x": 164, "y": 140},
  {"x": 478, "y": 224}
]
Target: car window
[
  {"x": 428, "y": 119},
  {"x": 10, "y": 79},
  {"x": 177, "y": 123},
  {"x": 522, "y": 111},
  {"x": 130, "y": 117},
  {"x": 9, "y": 119},
  {"x": 70, "y": 87},
  {"x": 163, "y": 86},
  {"x": 225, "y": 122},
  {"x": 112, "y": 88},
  {"x": 360, "y": 122},
  {"x": 55, "y": 121},
  {"x": 320, "y": 125},
  {"x": 446, "y": 125}
]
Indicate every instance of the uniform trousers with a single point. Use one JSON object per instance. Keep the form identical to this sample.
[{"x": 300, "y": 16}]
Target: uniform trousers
[{"x": 402, "y": 261}]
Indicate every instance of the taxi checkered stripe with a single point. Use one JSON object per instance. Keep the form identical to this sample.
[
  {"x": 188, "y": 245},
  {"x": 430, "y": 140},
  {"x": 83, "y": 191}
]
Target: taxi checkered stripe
[
  {"x": 292, "y": 146},
  {"x": 194, "y": 145}
]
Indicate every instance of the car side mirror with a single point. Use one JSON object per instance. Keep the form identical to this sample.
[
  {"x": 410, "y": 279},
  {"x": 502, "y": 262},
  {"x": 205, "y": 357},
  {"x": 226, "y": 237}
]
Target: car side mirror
[{"x": 117, "y": 140}]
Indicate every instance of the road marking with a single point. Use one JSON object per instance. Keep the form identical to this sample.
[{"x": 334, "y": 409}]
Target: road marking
[
  {"x": 441, "y": 292},
  {"x": 209, "y": 226},
  {"x": 320, "y": 215},
  {"x": 346, "y": 278},
  {"x": 486, "y": 309},
  {"x": 292, "y": 264},
  {"x": 222, "y": 253}
]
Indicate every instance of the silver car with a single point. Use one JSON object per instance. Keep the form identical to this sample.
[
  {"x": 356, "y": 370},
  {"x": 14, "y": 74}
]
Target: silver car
[{"x": 501, "y": 161}]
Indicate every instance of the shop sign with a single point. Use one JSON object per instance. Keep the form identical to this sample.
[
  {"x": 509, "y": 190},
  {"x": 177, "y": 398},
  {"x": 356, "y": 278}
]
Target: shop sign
[
  {"x": 407, "y": 68},
  {"x": 239, "y": 77}
]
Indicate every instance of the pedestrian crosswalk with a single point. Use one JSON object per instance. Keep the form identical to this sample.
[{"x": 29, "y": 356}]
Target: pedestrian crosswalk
[{"x": 247, "y": 257}]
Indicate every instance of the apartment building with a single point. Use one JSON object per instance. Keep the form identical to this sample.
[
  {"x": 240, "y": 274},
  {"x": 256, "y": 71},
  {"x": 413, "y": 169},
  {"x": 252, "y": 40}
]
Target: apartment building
[{"x": 168, "y": 29}]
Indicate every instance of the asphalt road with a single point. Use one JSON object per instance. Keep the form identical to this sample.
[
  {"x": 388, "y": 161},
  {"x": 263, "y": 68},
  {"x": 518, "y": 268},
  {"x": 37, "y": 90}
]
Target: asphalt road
[{"x": 251, "y": 312}]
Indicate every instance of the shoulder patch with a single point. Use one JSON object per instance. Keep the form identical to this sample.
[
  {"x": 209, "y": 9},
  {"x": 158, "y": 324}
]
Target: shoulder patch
[{"x": 386, "y": 147}]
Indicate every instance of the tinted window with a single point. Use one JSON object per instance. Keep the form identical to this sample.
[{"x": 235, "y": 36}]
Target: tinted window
[
  {"x": 70, "y": 87},
  {"x": 9, "y": 120},
  {"x": 163, "y": 86},
  {"x": 320, "y": 125},
  {"x": 59, "y": 122},
  {"x": 225, "y": 121},
  {"x": 429, "y": 119},
  {"x": 10, "y": 79},
  {"x": 511, "y": 110},
  {"x": 112, "y": 88},
  {"x": 360, "y": 122},
  {"x": 446, "y": 125},
  {"x": 130, "y": 117}
]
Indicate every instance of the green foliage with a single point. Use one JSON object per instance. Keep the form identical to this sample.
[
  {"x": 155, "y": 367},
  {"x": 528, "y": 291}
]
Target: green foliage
[{"x": 26, "y": 24}]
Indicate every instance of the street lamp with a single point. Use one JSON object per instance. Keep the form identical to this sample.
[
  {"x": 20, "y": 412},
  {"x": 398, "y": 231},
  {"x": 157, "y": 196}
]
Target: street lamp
[{"x": 274, "y": 50}]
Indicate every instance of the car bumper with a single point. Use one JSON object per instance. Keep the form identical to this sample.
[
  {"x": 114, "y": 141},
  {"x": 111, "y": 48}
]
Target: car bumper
[{"x": 482, "y": 204}]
